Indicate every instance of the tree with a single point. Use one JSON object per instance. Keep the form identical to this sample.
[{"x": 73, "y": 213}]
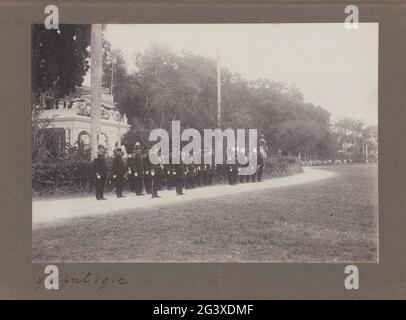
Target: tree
[
  {"x": 350, "y": 137},
  {"x": 167, "y": 86},
  {"x": 59, "y": 60}
]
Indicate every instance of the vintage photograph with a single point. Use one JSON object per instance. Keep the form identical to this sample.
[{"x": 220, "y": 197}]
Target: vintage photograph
[{"x": 205, "y": 143}]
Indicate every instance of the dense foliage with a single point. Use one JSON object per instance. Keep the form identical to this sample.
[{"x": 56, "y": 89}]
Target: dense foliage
[
  {"x": 59, "y": 59},
  {"x": 168, "y": 86}
]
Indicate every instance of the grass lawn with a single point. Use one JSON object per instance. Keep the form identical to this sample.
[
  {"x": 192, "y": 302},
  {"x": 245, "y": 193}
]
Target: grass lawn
[{"x": 332, "y": 220}]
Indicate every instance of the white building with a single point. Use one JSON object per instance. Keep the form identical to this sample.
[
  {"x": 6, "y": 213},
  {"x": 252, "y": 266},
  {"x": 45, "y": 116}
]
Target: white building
[{"x": 72, "y": 120}]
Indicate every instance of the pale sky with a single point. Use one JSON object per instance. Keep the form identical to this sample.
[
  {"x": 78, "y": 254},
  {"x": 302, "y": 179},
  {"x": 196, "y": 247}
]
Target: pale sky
[{"x": 334, "y": 67}]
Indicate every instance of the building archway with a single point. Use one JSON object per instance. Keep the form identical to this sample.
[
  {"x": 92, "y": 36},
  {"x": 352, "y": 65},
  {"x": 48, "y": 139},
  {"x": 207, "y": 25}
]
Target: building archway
[
  {"x": 84, "y": 140},
  {"x": 83, "y": 143},
  {"x": 103, "y": 139}
]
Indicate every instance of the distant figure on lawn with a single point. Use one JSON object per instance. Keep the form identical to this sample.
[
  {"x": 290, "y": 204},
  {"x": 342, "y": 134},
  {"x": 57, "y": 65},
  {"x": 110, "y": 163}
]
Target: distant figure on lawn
[
  {"x": 100, "y": 169},
  {"x": 118, "y": 171}
]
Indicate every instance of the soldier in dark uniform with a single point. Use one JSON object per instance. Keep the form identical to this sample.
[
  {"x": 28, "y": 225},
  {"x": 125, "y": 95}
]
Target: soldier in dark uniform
[
  {"x": 230, "y": 173},
  {"x": 254, "y": 175},
  {"x": 232, "y": 169},
  {"x": 260, "y": 164},
  {"x": 155, "y": 171},
  {"x": 118, "y": 169},
  {"x": 248, "y": 176},
  {"x": 136, "y": 170},
  {"x": 199, "y": 175},
  {"x": 139, "y": 167},
  {"x": 131, "y": 170},
  {"x": 168, "y": 172},
  {"x": 100, "y": 170},
  {"x": 179, "y": 170},
  {"x": 212, "y": 167},
  {"x": 168, "y": 176},
  {"x": 235, "y": 171},
  {"x": 189, "y": 176},
  {"x": 147, "y": 173},
  {"x": 205, "y": 174},
  {"x": 203, "y": 169},
  {"x": 241, "y": 177}
]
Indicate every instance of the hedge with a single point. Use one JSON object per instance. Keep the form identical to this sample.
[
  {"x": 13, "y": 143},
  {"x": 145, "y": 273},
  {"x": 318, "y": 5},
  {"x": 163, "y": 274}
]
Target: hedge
[
  {"x": 77, "y": 176},
  {"x": 61, "y": 177},
  {"x": 281, "y": 166}
]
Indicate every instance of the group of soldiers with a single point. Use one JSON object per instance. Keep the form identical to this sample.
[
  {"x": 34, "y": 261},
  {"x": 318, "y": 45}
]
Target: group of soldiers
[{"x": 144, "y": 176}]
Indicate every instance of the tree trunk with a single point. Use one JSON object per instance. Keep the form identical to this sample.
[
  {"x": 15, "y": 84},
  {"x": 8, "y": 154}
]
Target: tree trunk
[{"x": 96, "y": 86}]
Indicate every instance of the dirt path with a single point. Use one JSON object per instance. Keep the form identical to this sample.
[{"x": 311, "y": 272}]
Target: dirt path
[{"x": 49, "y": 211}]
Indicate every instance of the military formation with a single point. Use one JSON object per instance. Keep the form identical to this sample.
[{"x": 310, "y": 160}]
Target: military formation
[{"x": 144, "y": 177}]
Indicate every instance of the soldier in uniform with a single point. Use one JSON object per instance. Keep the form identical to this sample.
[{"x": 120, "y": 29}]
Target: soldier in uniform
[
  {"x": 118, "y": 171},
  {"x": 260, "y": 164},
  {"x": 168, "y": 176},
  {"x": 179, "y": 177},
  {"x": 205, "y": 174},
  {"x": 168, "y": 172},
  {"x": 199, "y": 175},
  {"x": 235, "y": 171},
  {"x": 232, "y": 168},
  {"x": 136, "y": 170},
  {"x": 100, "y": 170},
  {"x": 248, "y": 177},
  {"x": 241, "y": 177},
  {"x": 189, "y": 175},
  {"x": 254, "y": 175},
  {"x": 212, "y": 168},
  {"x": 155, "y": 171},
  {"x": 147, "y": 173},
  {"x": 130, "y": 167},
  {"x": 229, "y": 172}
]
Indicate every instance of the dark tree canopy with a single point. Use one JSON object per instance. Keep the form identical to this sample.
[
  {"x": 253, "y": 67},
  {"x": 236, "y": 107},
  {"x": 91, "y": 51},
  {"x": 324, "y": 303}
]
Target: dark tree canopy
[
  {"x": 60, "y": 59},
  {"x": 167, "y": 86}
]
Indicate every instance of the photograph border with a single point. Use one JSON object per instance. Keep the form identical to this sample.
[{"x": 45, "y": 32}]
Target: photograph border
[{"x": 23, "y": 279}]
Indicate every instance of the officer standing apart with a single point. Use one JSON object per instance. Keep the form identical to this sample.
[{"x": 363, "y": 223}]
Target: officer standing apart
[
  {"x": 118, "y": 170},
  {"x": 100, "y": 169}
]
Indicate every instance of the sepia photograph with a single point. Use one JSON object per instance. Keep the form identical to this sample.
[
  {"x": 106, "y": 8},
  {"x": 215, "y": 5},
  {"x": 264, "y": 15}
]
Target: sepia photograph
[{"x": 236, "y": 143}]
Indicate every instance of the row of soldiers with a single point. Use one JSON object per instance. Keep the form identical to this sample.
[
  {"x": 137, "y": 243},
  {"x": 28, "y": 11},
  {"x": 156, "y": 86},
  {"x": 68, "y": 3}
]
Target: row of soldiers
[{"x": 143, "y": 175}]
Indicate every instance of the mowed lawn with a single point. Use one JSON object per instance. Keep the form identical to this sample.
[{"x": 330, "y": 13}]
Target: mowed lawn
[{"x": 332, "y": 220}]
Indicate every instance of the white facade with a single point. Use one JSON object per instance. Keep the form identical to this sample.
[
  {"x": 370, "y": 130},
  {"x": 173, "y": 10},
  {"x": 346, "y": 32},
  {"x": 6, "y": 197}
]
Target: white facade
[{"x": 74, "y": 117}]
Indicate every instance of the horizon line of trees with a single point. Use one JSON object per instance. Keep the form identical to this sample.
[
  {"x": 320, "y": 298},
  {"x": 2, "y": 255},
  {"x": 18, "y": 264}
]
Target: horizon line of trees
[{"x": 167, "y": 86}]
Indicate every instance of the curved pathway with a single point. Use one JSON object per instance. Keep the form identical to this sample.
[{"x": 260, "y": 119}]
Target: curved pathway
[{"x": 48, "y": 211}]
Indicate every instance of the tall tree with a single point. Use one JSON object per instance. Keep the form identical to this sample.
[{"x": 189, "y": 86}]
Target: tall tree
[{"x": 59, "y": 59}]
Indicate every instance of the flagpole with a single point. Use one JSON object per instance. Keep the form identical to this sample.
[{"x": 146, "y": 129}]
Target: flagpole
[{"x": 218, "y": 86}]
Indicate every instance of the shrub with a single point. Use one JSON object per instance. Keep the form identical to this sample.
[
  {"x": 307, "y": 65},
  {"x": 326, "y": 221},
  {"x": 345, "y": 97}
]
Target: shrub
[
  {"x": 61, "y": 177},
  {"x": 278, "y": 166}
]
